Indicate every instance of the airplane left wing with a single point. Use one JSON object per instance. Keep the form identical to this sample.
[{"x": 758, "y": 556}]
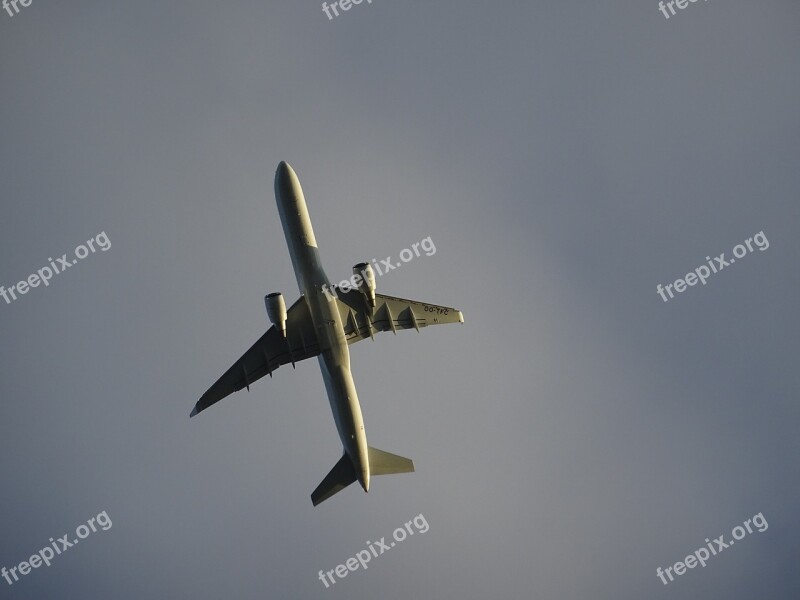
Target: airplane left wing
[
  {"x": 390, "y": 314},
  {"x": 270, "y": 352}
]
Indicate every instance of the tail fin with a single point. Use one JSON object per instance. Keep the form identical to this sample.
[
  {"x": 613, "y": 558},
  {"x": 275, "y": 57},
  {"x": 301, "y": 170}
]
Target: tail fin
[
  {"x": 343, "y": 474},
  {"x": 340, "y": 476},
  {"x": 385, "y": 463}
]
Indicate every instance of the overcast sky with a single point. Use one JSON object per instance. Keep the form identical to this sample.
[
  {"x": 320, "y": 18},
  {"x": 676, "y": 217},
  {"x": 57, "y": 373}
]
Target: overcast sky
[{"x": 574, "y": 435}]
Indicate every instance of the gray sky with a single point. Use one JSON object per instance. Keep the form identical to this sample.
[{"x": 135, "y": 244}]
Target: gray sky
[{"x": 576, "y": 433}]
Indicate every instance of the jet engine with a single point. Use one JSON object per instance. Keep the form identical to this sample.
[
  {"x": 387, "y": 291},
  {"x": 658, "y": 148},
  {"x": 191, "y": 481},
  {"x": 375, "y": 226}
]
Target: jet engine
[
  {"x": 367, "y": 284},
  {"x": 276, "y": 310}
]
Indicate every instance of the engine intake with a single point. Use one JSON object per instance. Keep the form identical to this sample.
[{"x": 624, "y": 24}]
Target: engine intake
[
  {"x": 276, "y": 310},
  {"x": 366, "y": 285}
]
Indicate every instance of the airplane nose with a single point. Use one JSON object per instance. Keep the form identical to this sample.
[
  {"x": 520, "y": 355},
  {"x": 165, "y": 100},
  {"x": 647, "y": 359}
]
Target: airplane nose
[
  {"x": 284, "y": 173},
  {"x": 286, "y": 182}
]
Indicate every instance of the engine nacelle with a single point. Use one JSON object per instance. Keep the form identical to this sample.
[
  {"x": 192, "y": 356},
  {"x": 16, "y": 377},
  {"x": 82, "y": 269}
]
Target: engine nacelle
[
  {"x": 276, "y": 310},
  {"x": 367, "y": 284}
]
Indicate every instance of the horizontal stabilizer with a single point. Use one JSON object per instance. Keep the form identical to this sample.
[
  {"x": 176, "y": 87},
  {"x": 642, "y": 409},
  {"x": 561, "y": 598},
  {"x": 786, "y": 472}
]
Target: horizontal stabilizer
[
  {"x": 385, "y": 463},
  {"x": 341, "y": 475}
]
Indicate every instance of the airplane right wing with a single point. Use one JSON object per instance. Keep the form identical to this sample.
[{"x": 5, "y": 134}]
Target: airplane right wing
[
  {"x": 390, "y": 314},
  {"x": 270, "y": 352}
]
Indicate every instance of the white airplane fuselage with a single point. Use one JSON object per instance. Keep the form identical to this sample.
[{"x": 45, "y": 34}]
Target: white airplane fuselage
[{"x": 334, "y": 357}]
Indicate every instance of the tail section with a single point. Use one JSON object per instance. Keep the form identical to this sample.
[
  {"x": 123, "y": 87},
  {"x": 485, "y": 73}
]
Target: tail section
[
  {"x": 344, "y": 473},
  {"x": 385, "y": 463},
  {"x": 341, "y": 475}
]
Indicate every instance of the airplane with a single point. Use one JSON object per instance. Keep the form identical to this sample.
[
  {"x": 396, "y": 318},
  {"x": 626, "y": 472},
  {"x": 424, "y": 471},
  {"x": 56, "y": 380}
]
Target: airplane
[{"x": 324, "y": 324}]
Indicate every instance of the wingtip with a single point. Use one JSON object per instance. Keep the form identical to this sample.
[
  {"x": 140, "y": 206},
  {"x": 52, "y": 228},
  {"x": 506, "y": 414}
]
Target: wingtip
[
  {"x": 460, "y": 317},
  {"x": 194, "y": 412}
]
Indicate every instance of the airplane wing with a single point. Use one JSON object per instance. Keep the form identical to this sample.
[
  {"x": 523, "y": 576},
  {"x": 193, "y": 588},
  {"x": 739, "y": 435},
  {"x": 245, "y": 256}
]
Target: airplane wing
[
  {"x": 390, "y": 314},
  {"x": 270, "y": 352}
]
